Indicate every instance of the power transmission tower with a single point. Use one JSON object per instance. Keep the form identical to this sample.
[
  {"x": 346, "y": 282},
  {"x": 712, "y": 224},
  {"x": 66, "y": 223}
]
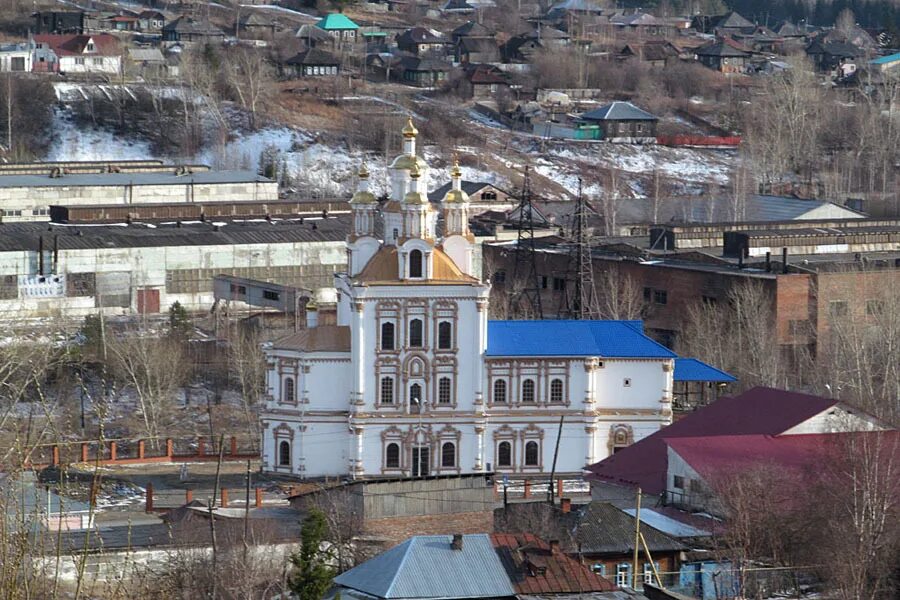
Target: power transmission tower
[
  {"x": 583, "y": 302},
  {"x": 526, "y": 302}
]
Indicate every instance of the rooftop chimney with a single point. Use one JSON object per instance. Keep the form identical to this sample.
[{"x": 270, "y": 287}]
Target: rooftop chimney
[
  {"x": 554, "y": 546},
  {"x": 457, "y": 543},
  {"x": 565, "y": 504}
]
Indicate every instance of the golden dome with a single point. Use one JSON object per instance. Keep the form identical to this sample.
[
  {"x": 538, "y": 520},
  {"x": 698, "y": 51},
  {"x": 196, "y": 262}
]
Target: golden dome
[
  {"x": 455, "y": 171},
  {"x": 410, "y": 130},
  {"x": 363, "y": 198},
  {"x": 415, "y": 198},
  {"x": 455, "y": 196},
  {"x": 414, "y": 171},
  {"x": 406, "y": 161}
]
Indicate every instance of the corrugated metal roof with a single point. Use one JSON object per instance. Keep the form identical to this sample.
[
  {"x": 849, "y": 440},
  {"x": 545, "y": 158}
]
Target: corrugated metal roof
[
  {"x": 667, "y": 525},
  {"x": 336, "y": 21},
  {"x": 426, "y": 566},
  {"x": 691, "y": 369},
  {"x": 604, "y": 529},
  {"x": 610, "y": 339},
  {"x": 94, "y": 179},
  {"x": 24, "y": 236}
]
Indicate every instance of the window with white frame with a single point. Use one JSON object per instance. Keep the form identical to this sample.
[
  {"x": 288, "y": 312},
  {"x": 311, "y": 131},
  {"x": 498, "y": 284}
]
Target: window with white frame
[
  {"x": 387, "y": 390},
  {"x": 416, "y": 333},
  {"x": 387, "y": 336},
  {"x": 499, "y": 391},
  {"x": 504, "y": 454},
  {"x": 289, "y": 392},
  {"x": 445, "y": 335},
  {"x": 392, "y": 456},
  {"x": 532, "y": 454},
  {"x": 284, "y": 453},
  {"x": 416, "y": 266},
  {"x": 448, "y": 455},
  {"x": 556, "y": 391},
  {"x": 528, "y": 391},
  {"x": 445, "y": 390},
  {"x": 623, "y": 574}
]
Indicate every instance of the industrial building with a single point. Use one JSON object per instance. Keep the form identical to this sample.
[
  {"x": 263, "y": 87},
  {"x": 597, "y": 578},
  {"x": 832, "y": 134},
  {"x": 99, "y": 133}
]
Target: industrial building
[
  {"x": 26, "y": 194},
  {"x": 49, "y": 270}
]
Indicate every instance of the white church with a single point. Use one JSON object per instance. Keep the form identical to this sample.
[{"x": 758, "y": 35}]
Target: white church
[{"x": 399, "y": 372}]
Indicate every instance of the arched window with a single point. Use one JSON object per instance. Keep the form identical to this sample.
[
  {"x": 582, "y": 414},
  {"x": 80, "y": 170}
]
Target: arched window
[
  {"x": 445, "y": 335},
  {"x": 392, "y": 456},
  {"x": 387, "y": 390},
  {"x": 415, "y": 263},
  {"x": 444, "y": 389},
  {"x": 290, "y": 391},
  {"x": 415, "y": 333},
  {"x": 504, "y": 454},
  {"x": 500, "y": 391},
  {"x": 387, "y": 336},
  {"x": 556, "y": 390},
  {"x": 528, "y": 390},
  {"x": 448, "y": 454},
  {"x": 415, "y": 397},
  {"x": 284, "y": 454},
  {"x": 531, "y": 454}
]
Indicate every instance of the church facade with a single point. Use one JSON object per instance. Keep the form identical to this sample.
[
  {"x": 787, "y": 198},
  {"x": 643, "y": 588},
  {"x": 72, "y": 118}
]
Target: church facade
[{"x": 400, "y": 373}]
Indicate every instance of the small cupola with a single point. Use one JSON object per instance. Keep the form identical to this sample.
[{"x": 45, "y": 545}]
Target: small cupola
[
  {"x": 456, "y": 195},
  {"x": 363, "y": 195}
]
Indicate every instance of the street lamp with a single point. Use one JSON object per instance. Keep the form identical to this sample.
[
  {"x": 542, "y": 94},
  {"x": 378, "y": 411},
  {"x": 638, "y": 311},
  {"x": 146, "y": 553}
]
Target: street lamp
[{"x": 420, "y": 408}]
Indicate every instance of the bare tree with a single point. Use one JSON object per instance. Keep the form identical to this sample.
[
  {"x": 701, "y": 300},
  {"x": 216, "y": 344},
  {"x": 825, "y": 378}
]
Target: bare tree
[
  {"x": 250, "y": 79},
  {"x": 620, "y": 296}
]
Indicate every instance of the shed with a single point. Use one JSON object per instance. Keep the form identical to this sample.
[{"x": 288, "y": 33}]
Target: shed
[{"x": 623, "y": 122}]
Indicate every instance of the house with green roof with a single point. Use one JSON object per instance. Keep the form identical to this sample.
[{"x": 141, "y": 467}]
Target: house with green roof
[{"x": 339, "y": 26}]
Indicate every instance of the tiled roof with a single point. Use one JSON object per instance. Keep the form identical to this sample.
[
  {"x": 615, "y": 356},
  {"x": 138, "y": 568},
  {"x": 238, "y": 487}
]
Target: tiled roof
[
  {"x": 74, "y": 45},
  {"x": 534, "y": 568},
  {"x": 618, "y": 111},
  {"x": 322, "y": 338},
  {"x": 758, "y": 411},
  {"x": 607, "y": 339},
  {"x": 691, "y": 369},
  {"x": 601, "y": 528},
  {"x": 427, "y": 567},
  {"x": 384, "y": 269},
  {"x": 335, "y": 22}
]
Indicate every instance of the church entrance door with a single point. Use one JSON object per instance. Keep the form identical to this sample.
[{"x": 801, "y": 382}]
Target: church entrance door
[{"x": 420, "y": 461}]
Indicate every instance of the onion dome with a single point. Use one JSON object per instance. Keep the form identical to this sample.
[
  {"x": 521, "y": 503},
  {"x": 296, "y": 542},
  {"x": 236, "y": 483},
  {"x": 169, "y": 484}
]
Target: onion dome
[{"x": 363, "y": 195}]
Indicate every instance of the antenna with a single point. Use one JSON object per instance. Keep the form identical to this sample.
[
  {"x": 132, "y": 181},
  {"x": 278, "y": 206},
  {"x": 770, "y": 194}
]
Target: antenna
[{"x": 527, "y": 301}]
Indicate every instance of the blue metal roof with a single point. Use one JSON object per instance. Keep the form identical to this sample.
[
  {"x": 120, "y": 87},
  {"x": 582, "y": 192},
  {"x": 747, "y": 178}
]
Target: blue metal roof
[
  {"x": 885, "y": 60},
  {"x": 610, "y": 339},
  {"x": 691, "y": 369},
  {"x": 427, "y": 567}
]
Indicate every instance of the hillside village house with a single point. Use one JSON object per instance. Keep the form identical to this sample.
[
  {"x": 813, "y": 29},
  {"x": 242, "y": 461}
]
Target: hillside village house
[
  {"x": 340, "y": 27},
  {"x": 623, "y": 122},
  {"x": 16, "y": 58},
  {"x": 99, "y": 53},
  {"x": 401, "y": 374}
]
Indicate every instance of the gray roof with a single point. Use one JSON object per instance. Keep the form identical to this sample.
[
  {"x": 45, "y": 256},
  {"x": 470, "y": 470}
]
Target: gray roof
[
  {"x": 721, "y": 49},
  {"x": 469, "y": 187},
  {"x": 95, "y": 179},
  {"x": 146, "y": 55},
  {"x": 427, "y": 567},
  {"x": 604, "y": 529},
  {"x": 732, "y": 20},
  {"x": 24, "y": 236},
  {"x": 618, "y": 111}
]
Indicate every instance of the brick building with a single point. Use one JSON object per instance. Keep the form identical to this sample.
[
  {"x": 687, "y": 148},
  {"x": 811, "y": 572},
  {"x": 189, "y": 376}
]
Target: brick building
[{"x": 814, "y": 272}]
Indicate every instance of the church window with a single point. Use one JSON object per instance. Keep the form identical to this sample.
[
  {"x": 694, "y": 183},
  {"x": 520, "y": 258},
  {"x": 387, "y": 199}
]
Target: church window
[
  {"x": 392, "y": 456},
  {"x": 556, "y": 390},
  {"x": 500, "y": 391},
  {"x": 531, "y": 454},
  {"x": 415, "y": 263},
  {"x": 415, "y": 333},
  {"x": 528, "y": 390},
  {"x": 445, "y": 335},
  {"x": 396, "y": 233},
  {"x": 448, "y": 454},
  {"x": 387, "y": 390},
  {"x": 284, "y": 454},
  {"x": 289, "y": 394},
  {"x": 387, "y": 336},
  {"x": 504, "y": 454},
  {"x": 444, "y": 390},
  {"x": 415, "y": 397}
]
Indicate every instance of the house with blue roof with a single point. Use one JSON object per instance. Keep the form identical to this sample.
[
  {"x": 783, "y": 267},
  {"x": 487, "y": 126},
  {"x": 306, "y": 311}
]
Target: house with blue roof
[{"x": 399, "y": 372}]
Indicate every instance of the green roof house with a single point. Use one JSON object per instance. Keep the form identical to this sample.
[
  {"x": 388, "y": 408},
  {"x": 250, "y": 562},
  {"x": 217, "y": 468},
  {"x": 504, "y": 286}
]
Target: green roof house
[{"x": 339, "y": 26}]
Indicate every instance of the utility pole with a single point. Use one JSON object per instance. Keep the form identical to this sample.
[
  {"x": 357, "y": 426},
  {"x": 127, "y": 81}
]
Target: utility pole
[
  {"x": 637, "y": 539},
  {"x": 528, "y": 300},
  {"x": 555, "y": 455}
]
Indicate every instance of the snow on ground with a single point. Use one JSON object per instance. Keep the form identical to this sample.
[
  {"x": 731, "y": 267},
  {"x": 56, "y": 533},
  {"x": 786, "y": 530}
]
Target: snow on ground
[
  {"x": 289, "y": 11},
  {"x": 78, "y": 143}
]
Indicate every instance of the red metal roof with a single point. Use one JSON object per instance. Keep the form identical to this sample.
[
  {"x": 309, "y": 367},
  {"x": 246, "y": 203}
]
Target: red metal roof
[
  {"x": 534, "y": 568},
  {"x": 758, "y": 411},
  {"x": 74, "y": 45},
  {"x": 796, "y": 456}
]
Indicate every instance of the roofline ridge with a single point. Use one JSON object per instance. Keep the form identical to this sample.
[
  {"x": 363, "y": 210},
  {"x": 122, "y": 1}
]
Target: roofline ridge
[{"x": 409, "y": 544}]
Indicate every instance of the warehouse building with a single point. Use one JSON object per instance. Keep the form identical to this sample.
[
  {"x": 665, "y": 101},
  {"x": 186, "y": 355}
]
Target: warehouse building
[
  {"x": 27, "y": 196},
  {"x": 49, "y": 270}
]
